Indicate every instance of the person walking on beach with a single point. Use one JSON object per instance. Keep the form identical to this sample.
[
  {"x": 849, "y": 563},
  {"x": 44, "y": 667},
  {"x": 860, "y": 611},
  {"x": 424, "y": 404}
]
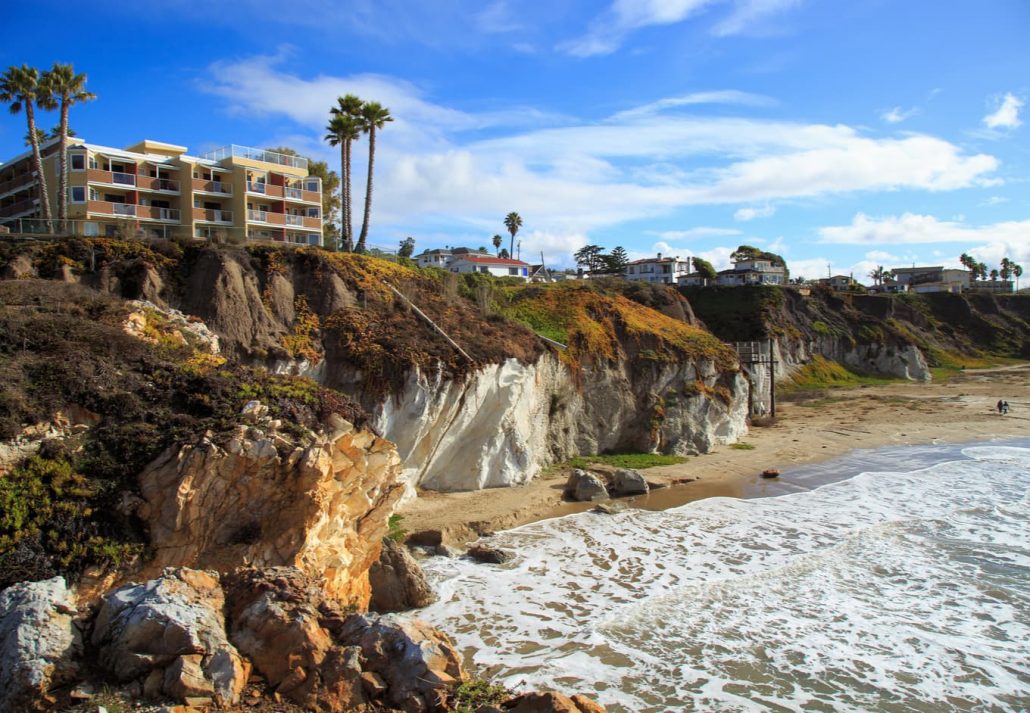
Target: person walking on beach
[
  {"x": 1004, "y": 406},
  {"x": 1000, "y": 405}
]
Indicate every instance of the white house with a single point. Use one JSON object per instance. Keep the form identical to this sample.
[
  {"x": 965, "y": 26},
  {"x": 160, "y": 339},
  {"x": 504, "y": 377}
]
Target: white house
[
  {"x": 442, "y": 257},
  {"x": 838, "y": 283},
  {"x": 753, "y": 272},
  {"x": 657, "y": 269},
  {"x": 488, "y": 265},
  {"x": 933, "y": 279}
]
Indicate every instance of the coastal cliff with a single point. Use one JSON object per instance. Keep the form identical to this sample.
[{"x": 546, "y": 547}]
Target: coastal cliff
[{"x": 636, "y": 372}]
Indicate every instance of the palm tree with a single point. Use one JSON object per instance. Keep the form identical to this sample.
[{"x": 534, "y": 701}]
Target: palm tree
[
  {"x": 345, "y": 118},
  {"x": 512, "y": 222},
  {"x": 21, "y": 87},
  {"x": 878, "y": 274},
  {"x": 1017, "y": 272},
  {"x": 373, "y": 116},
  {"x": 342, "y": 131},
  {"x": 497, "y": 244},
  {"x": 69, "y": 88},
  {"x": 1006, "y": 268}
]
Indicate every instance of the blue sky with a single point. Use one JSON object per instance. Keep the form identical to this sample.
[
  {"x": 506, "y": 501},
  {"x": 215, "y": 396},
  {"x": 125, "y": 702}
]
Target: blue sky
[{"x": 841, "y": 134}]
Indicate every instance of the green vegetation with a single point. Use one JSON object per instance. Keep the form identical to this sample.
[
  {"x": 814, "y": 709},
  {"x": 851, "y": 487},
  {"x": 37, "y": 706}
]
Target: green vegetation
[
  {"x": 634, "y": 461},
  {"x": 471, "y": 695},
  {"x": 742, "y": 446},
  {"x": 821, "y": 373},
  {"x": 395, "y": 531}
]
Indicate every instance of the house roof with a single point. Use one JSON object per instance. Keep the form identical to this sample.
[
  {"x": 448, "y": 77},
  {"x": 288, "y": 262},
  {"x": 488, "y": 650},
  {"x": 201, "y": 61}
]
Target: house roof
[
  {"x": 657, "y": 259},
  {"x": 486, "y": 260},
  {"x": 919, "y": 269}
]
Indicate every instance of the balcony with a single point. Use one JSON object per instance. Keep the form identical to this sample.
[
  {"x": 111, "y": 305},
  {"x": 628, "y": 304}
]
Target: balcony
[
  {"x": 255, "y": 155},
  {"x": 208, "y": 215},
  {"x": 149, "y": 183},
  {"x": 147, "y": 212},
  {"x": 265, "y": 189},
  {"x": 294, "y": 219},
  {"x": 123, "y": 209},
  {"x": 22, "y": 181},
  {"x": 203, "y": 186},
  {"x": 264, "y": 216},
  {"x": 109, "y": 208},
  {"x": 29, "y": 205},
  {"x": 95, "y": 175},
  {"x": 299, "y": 194}
]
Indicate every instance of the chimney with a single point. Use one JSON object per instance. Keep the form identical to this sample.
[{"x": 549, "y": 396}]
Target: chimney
[{"x": 659, "y": 256}]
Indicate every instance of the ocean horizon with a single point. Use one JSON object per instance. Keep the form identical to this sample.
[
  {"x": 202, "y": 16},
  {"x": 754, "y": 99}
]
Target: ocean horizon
[{"x": 892, "y": 579}]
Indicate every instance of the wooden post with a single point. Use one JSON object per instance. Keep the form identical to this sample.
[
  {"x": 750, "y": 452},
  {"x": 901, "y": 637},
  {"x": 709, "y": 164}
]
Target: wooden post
[
  {"x": 772, "y": 381},
  {"x": 430, "y": 322}
]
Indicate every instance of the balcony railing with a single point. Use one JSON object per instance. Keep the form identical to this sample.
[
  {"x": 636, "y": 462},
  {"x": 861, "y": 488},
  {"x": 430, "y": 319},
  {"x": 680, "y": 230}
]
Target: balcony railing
[
  {"x": 200, "y": 184},
  {"x": 291, "y": 192},
  {"x": 123, "y": 209},
  {"x": 258, "y": 216},
  {"x": 151, "y": 183},
  {"x": 256, "y": 155},
  {"x": 256, "y": 187},
  {"x": 124, "y": 179},
  {"x": 294, "y": 219},
  {"x": 21, "y": 181},
  {"x": 209, "y": 215}
]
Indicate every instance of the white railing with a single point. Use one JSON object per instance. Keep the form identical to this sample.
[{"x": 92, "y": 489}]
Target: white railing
[
  {"x": 123, "y": 209},
  {"x": 255, "y": 187},
  {"x": 294, "y": 192},
  {"x": 294, "y": 219},
  {"x": 259, "y": 216},
  {"x": 168, "y": 214},
  {"x": 256, "y": 155},
  {"x": 221, "y": 216}
]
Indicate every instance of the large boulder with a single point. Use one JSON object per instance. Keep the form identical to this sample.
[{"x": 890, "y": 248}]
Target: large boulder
[
  {"x": 627, "y": 482},
  {"x": 585, "y": 487},
  {"x": 398, "y": 582},
  {"x": 40, "y": 644},
  {"x": 169, "y": 634},
  {"x": 277, "y": 618},
  {"x": 417, "y": 662}
]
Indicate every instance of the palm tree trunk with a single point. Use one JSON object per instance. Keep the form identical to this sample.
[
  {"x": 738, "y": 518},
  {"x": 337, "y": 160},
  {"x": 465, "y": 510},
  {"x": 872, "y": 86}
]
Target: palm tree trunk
[
  {"x": 37, "y": 161},
  {"x": 344, "y": 197},
  {"x": 368, "y": 189},
  {"x": 511, "y": 247},
  {"x": 62, "y": 157},
  {"x": 349, "y": 201}
]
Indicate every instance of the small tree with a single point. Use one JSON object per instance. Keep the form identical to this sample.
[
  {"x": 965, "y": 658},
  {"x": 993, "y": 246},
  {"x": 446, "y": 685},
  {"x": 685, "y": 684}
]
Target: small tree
[
  {"x": 878, "y": 274},
  {"x": 407, "y": 248},
  {"x": 504, "y": 253},
  {"x": 589, "y": 257},
  {"x": 704, "y": 268},
  {"x": 498, "y": 240}
]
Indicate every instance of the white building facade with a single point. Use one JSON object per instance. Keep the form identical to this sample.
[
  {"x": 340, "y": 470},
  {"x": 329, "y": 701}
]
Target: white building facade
[
  {"x": 487, "y": 265},
  {"x": 667, "y": 270}
]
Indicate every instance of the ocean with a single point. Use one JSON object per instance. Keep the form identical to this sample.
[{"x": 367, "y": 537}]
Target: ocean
[{"x": 891, "y": 580}]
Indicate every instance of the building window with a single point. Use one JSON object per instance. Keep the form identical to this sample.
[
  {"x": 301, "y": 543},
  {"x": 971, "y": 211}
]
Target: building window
[
  {"x": 311, "y": 185},
  {"x": 513, "y": 271},
  {"x": 484, "y": 269},
  {"x": 312, "y": 212},
  {"x": 93, "y": 195},
  {"x": 78, "y": 162},
  {"x": 90, "y": 229},
  {"x": 93, "y": 162},
  {"x": 77, "y": 194}
]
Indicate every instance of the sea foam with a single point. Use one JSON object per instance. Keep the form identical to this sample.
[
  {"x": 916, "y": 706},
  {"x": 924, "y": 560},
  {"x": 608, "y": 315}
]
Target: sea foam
[{"x": 888, "y": 591}]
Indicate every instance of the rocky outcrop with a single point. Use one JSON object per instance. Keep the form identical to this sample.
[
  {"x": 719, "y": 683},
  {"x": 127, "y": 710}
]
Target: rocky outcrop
[
  {"x": 398, "y": 582},
  {"x": 267, "y": 499},
  {"x": 169, "y": 636},
  {"x": 312, "y": 653},
  {"x": 500, "y": 425},
  {"x": 549, "y": 702},
  {"x": 418, "y": 663},
  {"x": 625, "y": 482},
  {"x": 40, "y": 644}
]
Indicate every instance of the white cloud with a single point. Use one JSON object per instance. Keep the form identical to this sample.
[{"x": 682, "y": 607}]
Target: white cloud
[
  {"x": 698, "y": 232},
  {"x": 881, "y": 256},
  {"x": 497, "y": 18},
  {"x": 748, "y": 12},
  {"x": 572, "y": 177},
  {"x": 745, "y": 214},
  {"x": 608, "y": 30},
  {"x": 896, "y": 115},
  {"x": 912, "y": 228},
  {"x": 723, "y": 96},
  {"x": 1006, "y": 116},
  {"x": 995, "y": 200}
]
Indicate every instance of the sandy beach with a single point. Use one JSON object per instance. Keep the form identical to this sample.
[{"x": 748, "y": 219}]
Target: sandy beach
[{"x": 961, "y": 410}]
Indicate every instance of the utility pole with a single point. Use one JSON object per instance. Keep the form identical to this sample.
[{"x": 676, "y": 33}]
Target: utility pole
[{"x": 772, "y": 380}]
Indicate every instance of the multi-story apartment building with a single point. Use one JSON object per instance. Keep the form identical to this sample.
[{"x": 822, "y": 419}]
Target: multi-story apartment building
[{"x": 158, "y": 190}]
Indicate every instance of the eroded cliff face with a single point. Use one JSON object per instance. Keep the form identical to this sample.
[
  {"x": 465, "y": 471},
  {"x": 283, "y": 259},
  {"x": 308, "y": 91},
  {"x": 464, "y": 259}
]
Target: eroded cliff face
[
  {"x": 265, "y": 500},
  {"x": 502, "y": 424}
]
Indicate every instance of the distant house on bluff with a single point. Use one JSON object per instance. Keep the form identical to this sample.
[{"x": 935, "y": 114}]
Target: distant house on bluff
[
  {"x": 657, "y": 269},
  {"x": 487, "y": 265}
]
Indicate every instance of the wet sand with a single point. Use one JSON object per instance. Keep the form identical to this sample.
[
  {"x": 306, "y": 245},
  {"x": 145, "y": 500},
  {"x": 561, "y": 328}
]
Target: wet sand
[{"x": 872, "y": 417}]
